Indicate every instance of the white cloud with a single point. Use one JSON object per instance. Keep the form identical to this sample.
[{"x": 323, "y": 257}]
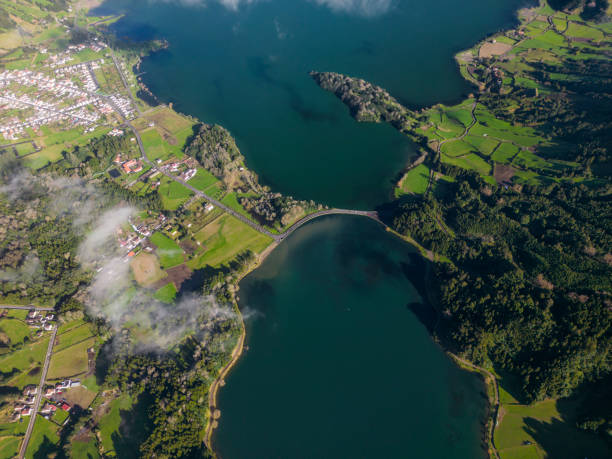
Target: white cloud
[{"x": 365, "y": 8}]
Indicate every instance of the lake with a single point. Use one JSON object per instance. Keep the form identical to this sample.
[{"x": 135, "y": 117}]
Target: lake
[
  {"x": 247, "y": 69},
  {"x": 338, "y": 365}
]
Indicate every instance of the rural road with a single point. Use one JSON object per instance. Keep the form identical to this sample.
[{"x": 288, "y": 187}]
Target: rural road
[
  {"x": 43, "y": 377},
  {"x": 27, "y": 308}
]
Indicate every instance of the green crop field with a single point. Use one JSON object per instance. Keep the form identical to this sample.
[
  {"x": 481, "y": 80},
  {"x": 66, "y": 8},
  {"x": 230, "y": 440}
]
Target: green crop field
[
  {"x": 153, "y": 145},
  {"x": 25, "y": 360},
  {"x": 60, "y": 416},
  {"x": 24, "y": 148},
  {"x": 173, "y": 194},
  {"x": 82, "y": 449},
  {"x": 15, "y": 330},
  {"x": 44, "y": 431},
  {"x": 71, "y": 361},
  {"x": 414, "y": 181},
  {"x": 9, "y": 446},
  {"x": 231, "y": 200},
  {"x": 456, "y": 148},
  {"x": 202, "y": 180},
  {"x": 110, "y": 423},
  {"x": 168, "y": 251},
  {"x": 484, "y": 145},
  {"x": 166, "y": 294},
  {"x": 541, "y": 430},
  {"x": 582, "y": 31},
  {"x": 224, "y": 238},
  {"x": 471, "y": 161},
  {"x": 73, "y": 336}
]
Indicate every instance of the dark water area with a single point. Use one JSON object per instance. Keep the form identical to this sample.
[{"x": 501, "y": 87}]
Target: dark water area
[
  {"x": 245, "y": 65},
  {"x": 339, "y": 361},
  {"x": 337, "y": 365}
]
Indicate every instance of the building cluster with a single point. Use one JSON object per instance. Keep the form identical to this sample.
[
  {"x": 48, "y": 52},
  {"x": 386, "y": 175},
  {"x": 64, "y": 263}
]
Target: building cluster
[
  {"x": 115, "y": 132},
  {"x": 146, "y": 227},
  {"x": 84, "y": 72},
  {"x": 141, "y": 230},
  {"x": 186, "y": 168},
  {"x": 129, "y": 166},
  {"x": 129, "y": 240},
  {"x": 69, "y": 95},
  {"x": 62, "y": 58},
  {"x": 40, "y": 319},
  {"x": 54, "y": 400},
  {"x": 24, "y": 405}
]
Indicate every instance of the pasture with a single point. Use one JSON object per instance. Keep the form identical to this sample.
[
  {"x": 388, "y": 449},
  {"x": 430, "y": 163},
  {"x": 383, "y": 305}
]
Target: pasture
[
  {"x": 168, "y": 251},
  {"x": 146, "y": 269},
  {"x": 44, "y": 431},
  {"x": 414, "y": 181},
  {"x": 71, "y": 361},
  {"x": 544, "y": 429},
  {"x": 224, "y": 238},
  {"x": 166, "y": 294},
  {"x": 173, "y": 194}
]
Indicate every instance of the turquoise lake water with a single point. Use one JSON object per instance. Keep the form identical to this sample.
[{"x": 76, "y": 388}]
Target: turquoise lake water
[{"x": 337, "y": 363}]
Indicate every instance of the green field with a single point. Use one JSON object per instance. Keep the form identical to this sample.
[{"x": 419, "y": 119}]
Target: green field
[
  {"x": 231, "y": 200},
  {"x": 168, "y": 251},
  {"x": 224, "y": 238},
  {"x": 27, "y": 360},
  {"x": 60, "y": 417},
  {"x": 470, "y": 162},
  {"x": 166, "y": 294},
  {"x": 203, "y": 179},
  {"x": 415, "y": 180},
  {"x": 110, "y": 423},
  {"x": 81, "y": 449},
  {"x": 72, "y": 337},
  {"x": 15, "y": 330},
  {"x": 504, "y": 153},
  {"x": 456, "y": 148},
  {"x": 173, "y": 194},
  {"x": 9, "y": 446},
  {"x": 541, "y": 430},
  {"x": 71, "y": 361},
  {"x": 44, "y": 438}
]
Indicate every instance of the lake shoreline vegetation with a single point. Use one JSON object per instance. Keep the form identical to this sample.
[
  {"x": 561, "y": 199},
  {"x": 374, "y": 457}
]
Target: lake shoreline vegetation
[
  {"x": 512, "y": 203},
  {"x": 484, "y": 166}
]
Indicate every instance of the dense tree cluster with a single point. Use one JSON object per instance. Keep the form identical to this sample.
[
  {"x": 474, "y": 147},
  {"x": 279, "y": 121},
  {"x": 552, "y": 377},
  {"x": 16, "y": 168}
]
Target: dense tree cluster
[{"x": 529, "y": 281}]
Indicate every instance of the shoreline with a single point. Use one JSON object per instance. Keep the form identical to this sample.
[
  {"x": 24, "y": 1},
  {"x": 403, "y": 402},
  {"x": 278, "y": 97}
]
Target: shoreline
[
  {"x": 236, "y": 354},
  {"x": 489, "y": 380}
]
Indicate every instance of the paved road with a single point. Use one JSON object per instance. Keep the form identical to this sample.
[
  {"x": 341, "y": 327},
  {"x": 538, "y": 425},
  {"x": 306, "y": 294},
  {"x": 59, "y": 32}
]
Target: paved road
[
  {"x": 125, "y": 84},
  {"x": 27, "y": 308},
  {"x": 35, "y": 407},
  {"x": 364, "y": 213},
  {"x": 65, "y": 112}
]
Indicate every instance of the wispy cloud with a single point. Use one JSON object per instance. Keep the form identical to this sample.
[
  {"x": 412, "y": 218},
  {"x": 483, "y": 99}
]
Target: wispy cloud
[{"x": 364, "y": 8}]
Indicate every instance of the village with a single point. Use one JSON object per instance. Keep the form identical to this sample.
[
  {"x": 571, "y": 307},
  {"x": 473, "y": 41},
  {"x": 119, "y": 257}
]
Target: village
[
  {"x": 59, "y": 93},
  {"x": 53, "y": 396}
]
